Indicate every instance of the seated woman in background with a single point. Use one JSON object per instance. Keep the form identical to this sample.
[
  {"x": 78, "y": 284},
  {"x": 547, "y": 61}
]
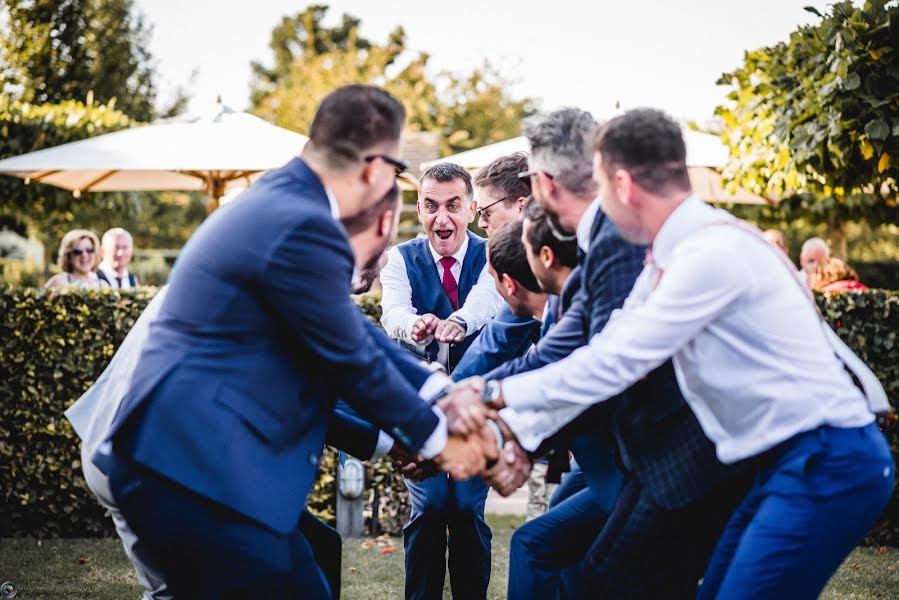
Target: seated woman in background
[
  {"x": 78, "y": 258},
  {"x": 834, "y": 275}
]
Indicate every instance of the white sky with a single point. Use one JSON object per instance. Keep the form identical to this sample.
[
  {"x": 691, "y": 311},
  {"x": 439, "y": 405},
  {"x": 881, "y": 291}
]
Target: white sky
[{"x": 588, "y": 54}]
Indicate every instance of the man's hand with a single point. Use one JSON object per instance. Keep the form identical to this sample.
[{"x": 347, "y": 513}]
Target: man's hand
[
  {"x": 411, "y": 466},
  {"x": 424, "y": 327},
  {"x": 449, "y": 331},
  {"x": 511, "y": 471},
  {"x": 465, "y": 413},
  {"x": 465, "y": 457}
]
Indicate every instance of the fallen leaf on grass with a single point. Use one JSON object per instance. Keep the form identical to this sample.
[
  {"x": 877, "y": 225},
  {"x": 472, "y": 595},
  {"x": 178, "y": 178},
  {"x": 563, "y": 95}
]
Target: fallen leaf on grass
[
  {"x": 83, "y": 560},
  {"x": 367, "y": 544},
  {"x": 388, "y": 549}
]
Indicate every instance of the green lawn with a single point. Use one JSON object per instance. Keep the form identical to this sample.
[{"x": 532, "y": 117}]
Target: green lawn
[{"x": 98, "y": 569}]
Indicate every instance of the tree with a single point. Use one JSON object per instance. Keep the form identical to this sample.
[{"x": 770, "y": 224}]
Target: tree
[
  {"x": 58, "y": 50},
  {"x": 816, "y": 119},
  {"x": 310, "y": 60}
]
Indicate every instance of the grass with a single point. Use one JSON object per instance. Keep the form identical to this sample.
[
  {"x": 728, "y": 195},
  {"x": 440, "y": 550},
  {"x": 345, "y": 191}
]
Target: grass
[{"x": 79, "y": 568}]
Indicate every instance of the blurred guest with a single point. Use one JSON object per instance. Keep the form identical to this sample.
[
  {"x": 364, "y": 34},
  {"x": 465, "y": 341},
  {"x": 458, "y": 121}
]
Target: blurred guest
[
  {"x": 814, "y": 251},
  {"x": 834, "y": 275},
  {"x": 78, "y": 259},
  {"x": 116, "y": 249},
  {"x": 776, "y": 237}
]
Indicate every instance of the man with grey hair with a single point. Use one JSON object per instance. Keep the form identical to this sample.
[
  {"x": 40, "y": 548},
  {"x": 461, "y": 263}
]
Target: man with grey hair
[
  {"x": 117, "y": 247},
  {"x": 814, "y": 252}
]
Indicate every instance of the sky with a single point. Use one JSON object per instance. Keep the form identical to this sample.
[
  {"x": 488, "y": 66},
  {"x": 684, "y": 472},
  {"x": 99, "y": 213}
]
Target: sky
[{"x": 594, "y": 55}]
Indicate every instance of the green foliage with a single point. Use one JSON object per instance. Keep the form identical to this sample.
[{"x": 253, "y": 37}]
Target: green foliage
[
  {"x": 53, "y": 51},
  {"x": 53, "y": 345},
  {"x": 817, "y": 118},
  {"x": 311, "y": 60}
]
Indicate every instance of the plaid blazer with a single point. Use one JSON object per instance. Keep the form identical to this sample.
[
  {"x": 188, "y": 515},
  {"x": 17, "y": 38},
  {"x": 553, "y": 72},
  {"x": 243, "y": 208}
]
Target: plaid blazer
[{"x": 659, "y": 439}]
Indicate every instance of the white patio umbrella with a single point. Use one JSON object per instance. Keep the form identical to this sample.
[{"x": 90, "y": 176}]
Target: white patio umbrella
[
  {"x": 706, "y": 155},
  {"x": 206, "y": 153}
]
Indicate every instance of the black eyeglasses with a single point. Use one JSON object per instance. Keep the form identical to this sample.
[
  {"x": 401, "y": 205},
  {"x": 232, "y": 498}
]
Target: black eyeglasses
[
  {"x": 480, "y": 211},
  {"x": 398, "y": 165},
  {"x": 79, "y": 251}
]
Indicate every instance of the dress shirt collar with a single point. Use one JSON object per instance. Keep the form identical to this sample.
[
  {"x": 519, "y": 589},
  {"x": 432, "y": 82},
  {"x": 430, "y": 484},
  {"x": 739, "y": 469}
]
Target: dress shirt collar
[
  {"x": 332, "y": 201},
  {"x": 586, "y": 224},
  {"x": 686, "y": 218},
  {"x": 459, "y": 255},
  {"x": 111, "y": 273}
]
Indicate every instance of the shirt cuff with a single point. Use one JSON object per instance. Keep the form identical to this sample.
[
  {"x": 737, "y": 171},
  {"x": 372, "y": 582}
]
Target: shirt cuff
[
  {"x": 433, "y": 385},
  {"x": 435, "y": 444},
  {"x": 384, "y": 445},
  {"x": 469, "y": 324}
]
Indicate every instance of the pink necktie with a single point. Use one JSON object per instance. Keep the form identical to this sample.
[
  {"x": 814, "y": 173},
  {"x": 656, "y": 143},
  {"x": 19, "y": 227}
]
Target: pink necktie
[{"x": 449, "y": 282}]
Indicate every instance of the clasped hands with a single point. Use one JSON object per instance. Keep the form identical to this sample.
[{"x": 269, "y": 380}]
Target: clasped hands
[
  {"x": 474, "y": 447},
  {"x": 442, "y": 330}
]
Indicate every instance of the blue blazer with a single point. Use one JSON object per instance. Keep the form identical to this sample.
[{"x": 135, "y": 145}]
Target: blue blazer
[
  {"x": 503, "y": 338},
  {"x": 256, "y": 339}
]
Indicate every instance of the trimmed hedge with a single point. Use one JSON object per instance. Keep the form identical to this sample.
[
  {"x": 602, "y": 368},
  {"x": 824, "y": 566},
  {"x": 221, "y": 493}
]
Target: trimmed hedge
[{"x": 53, "y": 344}]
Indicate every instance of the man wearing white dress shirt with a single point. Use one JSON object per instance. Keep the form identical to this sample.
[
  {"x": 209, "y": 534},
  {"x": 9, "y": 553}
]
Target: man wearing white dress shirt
[
  {"x": 117, "y": 247},
  {"x": 437, "y": 295},
  {"x": 755, "y": 362}
]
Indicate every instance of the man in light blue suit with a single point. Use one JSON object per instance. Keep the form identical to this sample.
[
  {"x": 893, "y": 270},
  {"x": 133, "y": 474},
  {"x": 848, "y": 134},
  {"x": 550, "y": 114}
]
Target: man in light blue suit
[{"x": 217, "y": 442}]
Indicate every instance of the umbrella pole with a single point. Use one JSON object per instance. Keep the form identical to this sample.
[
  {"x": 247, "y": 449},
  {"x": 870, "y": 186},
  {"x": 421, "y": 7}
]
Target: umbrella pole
[{"x": 215, "y": 189}]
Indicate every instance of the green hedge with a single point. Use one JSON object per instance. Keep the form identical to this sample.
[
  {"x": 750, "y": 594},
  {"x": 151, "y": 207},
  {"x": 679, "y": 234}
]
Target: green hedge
[{"x": 54, "y": 344}]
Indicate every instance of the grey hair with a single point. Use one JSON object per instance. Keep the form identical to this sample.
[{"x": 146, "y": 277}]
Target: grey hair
[
  {"x": 813, "y": 244},
  {"x": 109, "y": 236},
  {"x": 561, "y": 146}
]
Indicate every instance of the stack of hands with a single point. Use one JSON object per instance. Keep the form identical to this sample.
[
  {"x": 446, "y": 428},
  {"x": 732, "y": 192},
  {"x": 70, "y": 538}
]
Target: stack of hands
[
  {"x": 429, "y": 327},
  {"x": 479, "y": 444}
]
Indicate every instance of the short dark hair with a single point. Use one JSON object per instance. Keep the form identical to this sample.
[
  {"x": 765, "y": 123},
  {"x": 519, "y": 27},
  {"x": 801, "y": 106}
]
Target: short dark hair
[
  {"x": 447, "y": 171},
  {"x": 649, "y": 145},
  {"x": 540, "y": 233},
  {"x": 361, "y": 221},
  {"x": 354, "y": 118},
  {"x": 507, "y": 255},
  {"x": 502, "y": 175}
]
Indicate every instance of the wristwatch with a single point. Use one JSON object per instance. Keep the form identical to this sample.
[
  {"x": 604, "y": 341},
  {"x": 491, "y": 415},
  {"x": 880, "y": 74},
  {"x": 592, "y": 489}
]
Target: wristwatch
[
  {"x": 460, "y": 321},
  {"x": 491, "y": 393}
]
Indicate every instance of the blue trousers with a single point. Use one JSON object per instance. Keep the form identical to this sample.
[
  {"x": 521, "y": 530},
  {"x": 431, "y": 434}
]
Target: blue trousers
[
  {"x": 441, "y": 505},
  {"x": 544, "y": 547},
  {"x": 206, "y": 550},
  {"x": 572, "y": 482},
  {"x": 822, "y": 492}
]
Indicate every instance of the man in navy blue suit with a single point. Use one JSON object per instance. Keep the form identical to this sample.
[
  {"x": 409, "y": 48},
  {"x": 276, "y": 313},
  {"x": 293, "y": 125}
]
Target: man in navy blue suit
[
  {"x": 437, "y": 296},
  {"x": 217, "y": 442}
]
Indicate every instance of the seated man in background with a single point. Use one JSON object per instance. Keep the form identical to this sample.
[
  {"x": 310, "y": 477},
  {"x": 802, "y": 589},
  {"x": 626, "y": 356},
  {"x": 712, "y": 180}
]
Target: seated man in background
[
  {"x": 814, "y": 252},
  {"x": 437, "y": 295},
  {"x": 116, "y": 248}
]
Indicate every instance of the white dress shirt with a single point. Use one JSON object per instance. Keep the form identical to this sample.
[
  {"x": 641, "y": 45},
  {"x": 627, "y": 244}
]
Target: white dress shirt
[
  {"x": 399, "y": 315},
  {"x": 750, "y": 353},
  {"x": 112, "y": 274}
]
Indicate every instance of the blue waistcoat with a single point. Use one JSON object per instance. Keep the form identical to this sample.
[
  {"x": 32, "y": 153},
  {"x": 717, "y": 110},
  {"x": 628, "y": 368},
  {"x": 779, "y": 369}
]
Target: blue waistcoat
[{"x": 428, "y": 295}]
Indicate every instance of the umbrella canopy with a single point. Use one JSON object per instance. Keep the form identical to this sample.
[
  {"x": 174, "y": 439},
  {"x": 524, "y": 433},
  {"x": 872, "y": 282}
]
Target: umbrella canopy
[
  {"x": 706, "y": 155},
  {"x": 206, "y": 153}
]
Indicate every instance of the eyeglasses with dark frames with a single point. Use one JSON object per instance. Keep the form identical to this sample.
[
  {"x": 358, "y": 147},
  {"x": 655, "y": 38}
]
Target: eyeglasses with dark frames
[
  {"x": 480, "y": 211},
  {"x": 398, "y": 165},
  {"x": 79, "y": 251}
]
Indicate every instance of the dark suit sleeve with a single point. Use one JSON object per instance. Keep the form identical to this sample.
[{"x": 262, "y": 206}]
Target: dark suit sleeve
[
  {"x": 609, "y": 273},
  {"x": 347, "y": 432},
  {"x": 563, "y": 338},
  {"x": 307, "y": 284},
  {"x": 505, "y": 337},
  {"x": 407, "y": 363}
]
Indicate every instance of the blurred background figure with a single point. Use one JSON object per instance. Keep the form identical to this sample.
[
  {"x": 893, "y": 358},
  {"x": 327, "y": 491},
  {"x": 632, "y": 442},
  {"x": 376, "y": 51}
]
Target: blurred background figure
[
  {"x": 78, "y": 258},
  {"x": 814, "y": 251},
  {"x": 776, "y": 237},
  {"x": 834, "y": 275},
  {"x": 116, "y": 250}
]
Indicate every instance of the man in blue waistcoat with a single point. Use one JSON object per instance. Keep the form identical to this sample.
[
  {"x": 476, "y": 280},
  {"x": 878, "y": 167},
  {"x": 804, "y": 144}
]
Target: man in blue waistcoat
[{"x": 437, "y": 295}]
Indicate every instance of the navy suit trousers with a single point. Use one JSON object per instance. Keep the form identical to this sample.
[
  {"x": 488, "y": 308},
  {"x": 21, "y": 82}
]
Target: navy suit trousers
[
  {"x": 206, "y": 550},
  {"x": 440, "y": 505}
]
